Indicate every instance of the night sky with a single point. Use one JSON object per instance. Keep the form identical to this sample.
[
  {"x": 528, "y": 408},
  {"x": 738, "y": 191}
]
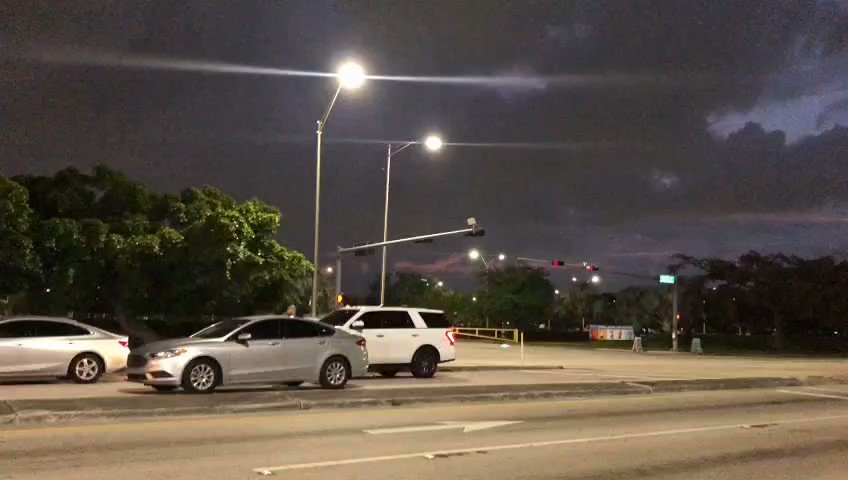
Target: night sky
[{"x": 618, "y": 132}]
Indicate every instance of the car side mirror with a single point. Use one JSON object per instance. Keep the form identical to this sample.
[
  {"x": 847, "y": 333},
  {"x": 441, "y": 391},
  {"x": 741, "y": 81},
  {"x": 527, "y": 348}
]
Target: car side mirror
[
  {"x": 357, "y": 325},
  {"x": 243, "y": 337}
]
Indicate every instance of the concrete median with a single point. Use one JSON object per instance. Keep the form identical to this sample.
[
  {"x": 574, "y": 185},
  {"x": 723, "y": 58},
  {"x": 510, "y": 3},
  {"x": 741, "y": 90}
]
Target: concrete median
[{"x": 48, "y": 411}]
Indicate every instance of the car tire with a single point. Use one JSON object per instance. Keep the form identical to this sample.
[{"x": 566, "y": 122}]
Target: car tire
[
  {"x": 425, "y": 362},
  {"x": 86, "y": 368},
  {"x": 388, "y": 372},
  {"x": 164, "y": 388},
  {"x": 292, "y": 384},
  {"x": 335, "y": 373},
  {"x": 201, "y": 376}
]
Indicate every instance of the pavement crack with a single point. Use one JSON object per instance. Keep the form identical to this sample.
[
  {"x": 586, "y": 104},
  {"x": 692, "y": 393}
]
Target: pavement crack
[{"x": 10, "y": 417}]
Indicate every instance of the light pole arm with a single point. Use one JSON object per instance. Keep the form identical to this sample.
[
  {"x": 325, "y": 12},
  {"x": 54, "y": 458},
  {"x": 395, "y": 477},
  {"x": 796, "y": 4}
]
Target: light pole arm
[{"x": 326, "y": 116}]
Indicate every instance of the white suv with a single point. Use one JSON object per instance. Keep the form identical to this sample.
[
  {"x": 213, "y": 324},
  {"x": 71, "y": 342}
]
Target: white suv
[{"x": 399, "y": 338}]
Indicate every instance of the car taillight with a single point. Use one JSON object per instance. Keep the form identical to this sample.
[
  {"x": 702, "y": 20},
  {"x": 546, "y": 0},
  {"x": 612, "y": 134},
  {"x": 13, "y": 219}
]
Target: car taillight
[
  {"x": 361, "y": 343},
  {"x": 451, "y": 337},
  {"x": 124, "y": 344}
]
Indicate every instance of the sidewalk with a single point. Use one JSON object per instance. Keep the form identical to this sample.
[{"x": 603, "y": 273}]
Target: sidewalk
[{"x": 618, "y": 363}]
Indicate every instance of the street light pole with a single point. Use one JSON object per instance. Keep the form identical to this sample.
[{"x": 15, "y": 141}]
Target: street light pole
[
  {"x": 319, "y": 133},
  {"x": 350, "y": 76},
  {"x": 432, "y": 143}
]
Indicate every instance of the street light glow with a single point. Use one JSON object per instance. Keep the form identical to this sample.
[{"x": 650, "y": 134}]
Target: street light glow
[
  {"x": 351, "y": 75},
  {"x": 474, "y": 254},
  {"x": 473, "y": 299},
  {"x": 556, "y": 292},
  {"x": 573, "y": 279},
  {"x": 433, "y": 143},
  {"x": 329, "y": 269},
  {"x": 501, "y": 257},
  {"x": 596, "y": 279},
  {"x": 440, "y": 284}
]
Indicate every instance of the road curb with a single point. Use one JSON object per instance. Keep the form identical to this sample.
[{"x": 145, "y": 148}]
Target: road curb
[{"x": 538, "y": 392}]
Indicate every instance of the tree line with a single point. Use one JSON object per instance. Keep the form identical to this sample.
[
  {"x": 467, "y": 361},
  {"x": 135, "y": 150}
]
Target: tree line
[
  {"x": 101, "y": 244},
  {"x": 773, "y": 297}
]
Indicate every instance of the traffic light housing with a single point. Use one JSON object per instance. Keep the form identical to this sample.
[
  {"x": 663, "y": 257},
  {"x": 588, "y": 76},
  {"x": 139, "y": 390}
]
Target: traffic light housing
[
  {"x": 341, "y": 299},
  {"x": 557, "y": 263},
  {"x": 592, "y": 268}
]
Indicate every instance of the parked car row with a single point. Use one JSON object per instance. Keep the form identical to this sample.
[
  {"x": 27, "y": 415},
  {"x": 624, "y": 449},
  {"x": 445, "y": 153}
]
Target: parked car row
[{"x": 257, "y": 349}]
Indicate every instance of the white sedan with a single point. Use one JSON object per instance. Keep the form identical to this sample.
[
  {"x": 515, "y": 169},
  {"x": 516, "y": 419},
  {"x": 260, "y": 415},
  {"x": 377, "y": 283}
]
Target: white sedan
[{"x": 44, "y": 347}]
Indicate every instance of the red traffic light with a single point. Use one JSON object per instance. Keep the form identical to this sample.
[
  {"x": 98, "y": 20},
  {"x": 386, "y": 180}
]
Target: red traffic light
[
  {"x": 557, "y": 263},
  {"x": 592, "y": 268}
]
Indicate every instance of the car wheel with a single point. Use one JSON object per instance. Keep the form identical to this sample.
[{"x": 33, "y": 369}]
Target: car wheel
[
  {"x": 335, "y": 373},
  {"x": 388, "y": 372},
  {"x": 293, "y": 384},
  {"x": 200, "y": 376},
  {"x": 164, "y": 388},
  {"x": 424, "y": 363},
  {"x": 86, "y": 368}
]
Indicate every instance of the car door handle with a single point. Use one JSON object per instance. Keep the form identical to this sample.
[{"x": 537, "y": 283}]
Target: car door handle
[
  {"x": 414, "y": 334},
  {"x": 275, "y": 344},
  {"x": 380, "y": 335}
]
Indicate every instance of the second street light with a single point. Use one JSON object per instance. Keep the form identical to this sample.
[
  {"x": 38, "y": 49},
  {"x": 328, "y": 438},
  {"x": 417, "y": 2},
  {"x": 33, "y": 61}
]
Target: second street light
[
  {"x": 350, "y": 76},
  {"x": 432, "y": 143}
]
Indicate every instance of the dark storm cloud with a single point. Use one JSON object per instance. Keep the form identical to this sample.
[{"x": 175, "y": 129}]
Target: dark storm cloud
[{"x": 632, "y": 140}]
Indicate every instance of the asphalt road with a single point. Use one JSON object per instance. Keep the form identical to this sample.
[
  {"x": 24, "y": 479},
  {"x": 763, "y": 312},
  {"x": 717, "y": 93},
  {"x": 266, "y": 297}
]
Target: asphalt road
[{"x": 769, "y": 434}]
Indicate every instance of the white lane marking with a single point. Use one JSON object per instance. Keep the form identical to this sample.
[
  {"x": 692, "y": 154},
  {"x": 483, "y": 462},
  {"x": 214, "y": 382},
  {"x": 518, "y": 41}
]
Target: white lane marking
[
  {"x": 514, "y": 446},
  {"x": 589, "y": 374},
  {"x": 465, "y": 426},
  {"x": 813, "y": 394}
]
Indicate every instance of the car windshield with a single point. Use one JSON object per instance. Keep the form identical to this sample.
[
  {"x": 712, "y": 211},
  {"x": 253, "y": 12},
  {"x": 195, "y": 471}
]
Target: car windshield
[
  {"x": 339, "y": 317},
  {"x": 220, "y": 329}
]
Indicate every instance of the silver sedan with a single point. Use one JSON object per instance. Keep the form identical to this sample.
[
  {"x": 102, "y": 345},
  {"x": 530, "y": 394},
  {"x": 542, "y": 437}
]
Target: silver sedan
[
  {"x": 39, "y": 347},
  {"x": 259, "y": 349}
]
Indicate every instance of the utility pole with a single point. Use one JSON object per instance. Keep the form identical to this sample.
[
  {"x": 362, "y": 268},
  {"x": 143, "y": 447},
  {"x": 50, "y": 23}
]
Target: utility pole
[{"x": 674, "y": 316}]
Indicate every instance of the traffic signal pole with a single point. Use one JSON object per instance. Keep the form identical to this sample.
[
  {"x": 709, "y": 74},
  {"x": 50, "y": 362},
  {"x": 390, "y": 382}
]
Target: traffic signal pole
[{"x": 473, "y": 230}]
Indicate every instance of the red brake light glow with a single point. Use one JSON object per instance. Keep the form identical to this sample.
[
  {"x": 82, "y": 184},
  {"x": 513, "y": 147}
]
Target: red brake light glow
[
  {"x": 361, "y": 343},
  {"x": 451, "y": 337},
  {"x": 124, "y": 344}
]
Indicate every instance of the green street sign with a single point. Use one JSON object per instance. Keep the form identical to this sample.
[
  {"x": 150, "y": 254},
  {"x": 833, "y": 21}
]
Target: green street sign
[{"x": 667, "y": 279}]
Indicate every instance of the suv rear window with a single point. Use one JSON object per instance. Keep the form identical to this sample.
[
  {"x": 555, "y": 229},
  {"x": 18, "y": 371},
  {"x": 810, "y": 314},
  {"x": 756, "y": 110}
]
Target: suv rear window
[
  {"x": 435, "y": 320},
  {"x": 387, "y": 319},
  {"x": 339, "y": 317}
]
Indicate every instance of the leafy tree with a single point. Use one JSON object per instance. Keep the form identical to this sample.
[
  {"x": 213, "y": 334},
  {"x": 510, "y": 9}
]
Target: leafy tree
[
  {"x": 103, "y": 244},
  {"x": 516, "y": 296},
  {"x": 18, "y": 262}
]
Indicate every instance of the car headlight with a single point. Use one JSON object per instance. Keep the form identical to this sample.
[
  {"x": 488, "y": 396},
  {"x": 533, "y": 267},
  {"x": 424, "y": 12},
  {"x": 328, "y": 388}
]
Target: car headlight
[{"x": 175, "y": 352}]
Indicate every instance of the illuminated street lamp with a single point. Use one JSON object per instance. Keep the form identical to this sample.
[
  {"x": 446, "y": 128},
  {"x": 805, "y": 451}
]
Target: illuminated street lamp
[
  {"x": 432, "y": 143},
  {"x": 573, "y": 279},
  {"x": 440, "y": 283},
  {"x": 556, "y": 292},
  {"x": 474, "y": 254},
  {"x": 329, "y": 270},
  {"x": 501, "y": 257},
  {"x": 596, "y": 279},
  {"x": 350, "y": 77}
]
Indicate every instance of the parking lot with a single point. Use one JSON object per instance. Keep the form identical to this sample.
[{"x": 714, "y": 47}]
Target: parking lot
[{"x": 481, "y": 364}]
